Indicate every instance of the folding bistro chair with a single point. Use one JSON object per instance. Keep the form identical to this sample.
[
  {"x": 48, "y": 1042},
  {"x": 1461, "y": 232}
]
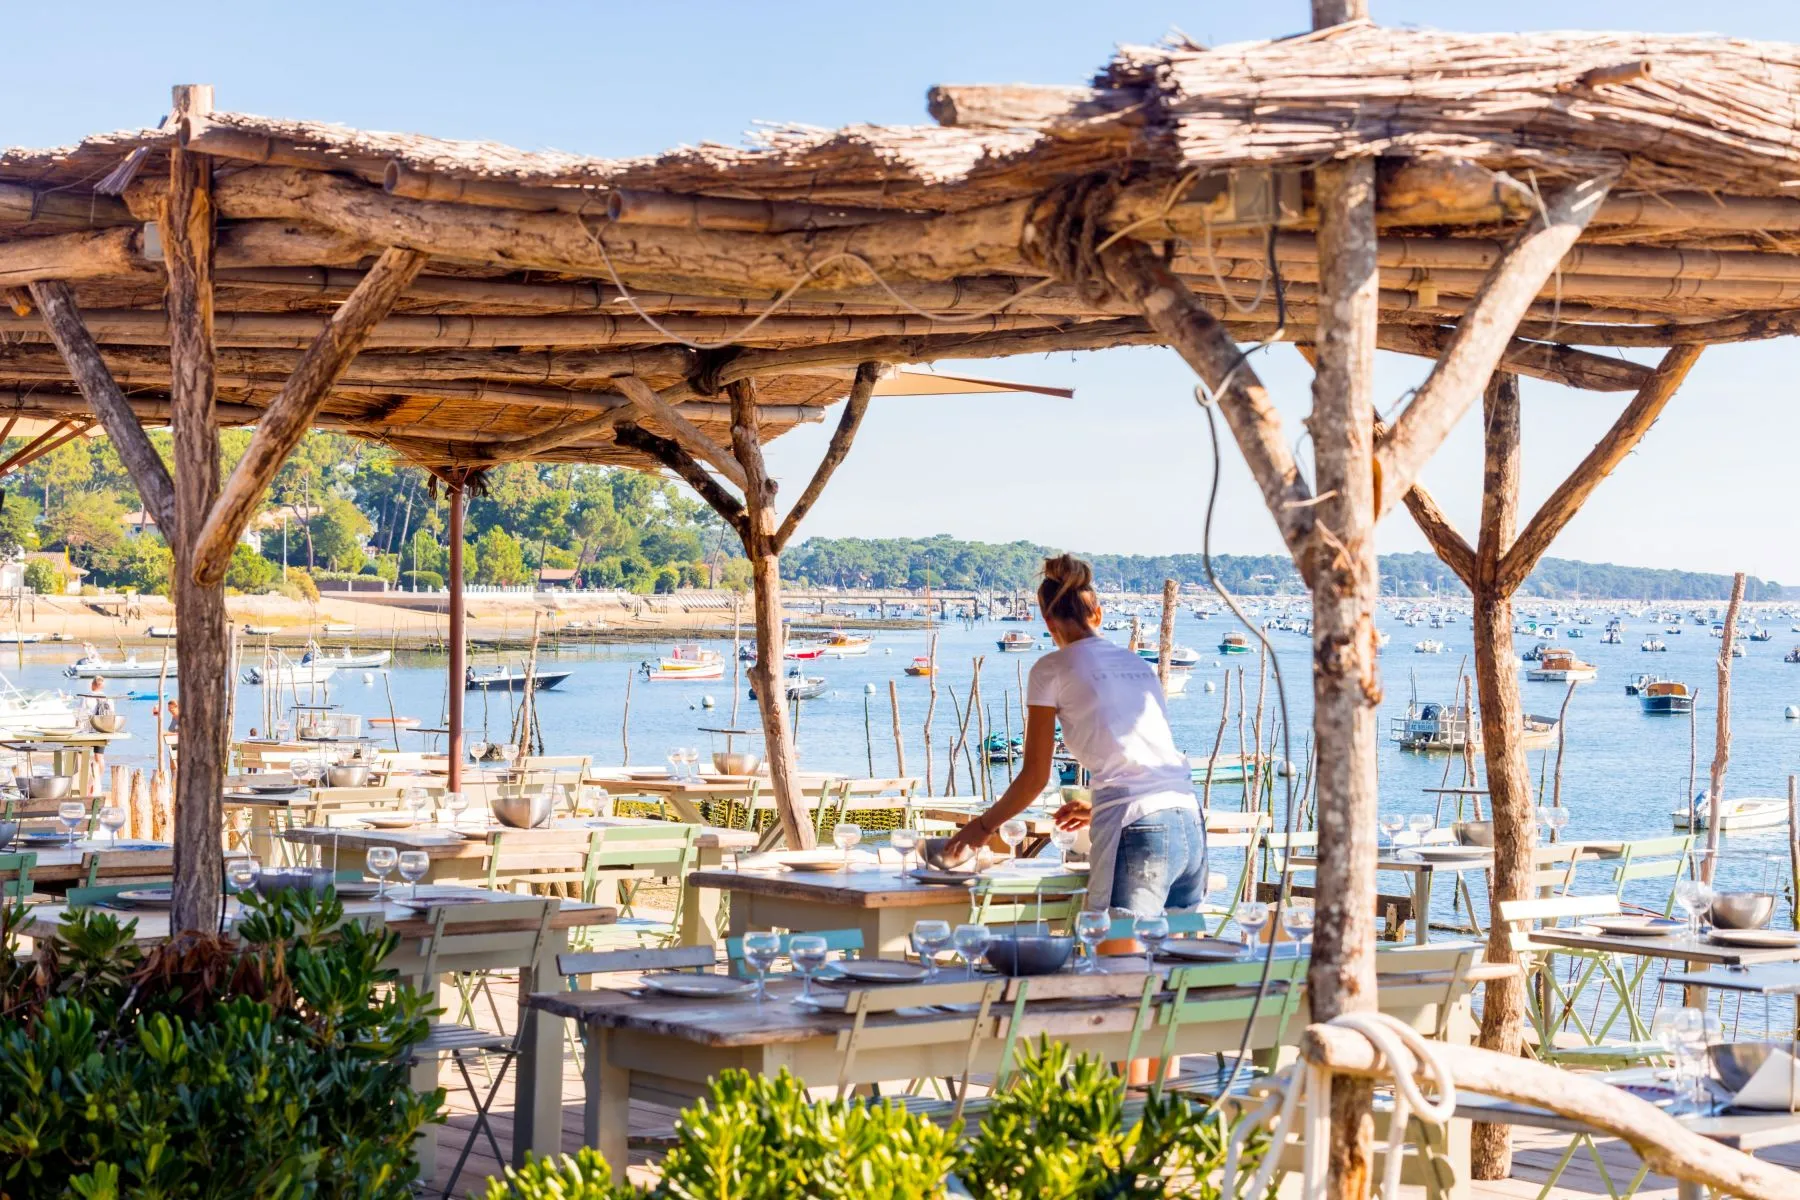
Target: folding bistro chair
[
  {"x": 628, "y": 856},
  {"x": 862, "y": 1036},
  {"x": 15, "y": 874}
]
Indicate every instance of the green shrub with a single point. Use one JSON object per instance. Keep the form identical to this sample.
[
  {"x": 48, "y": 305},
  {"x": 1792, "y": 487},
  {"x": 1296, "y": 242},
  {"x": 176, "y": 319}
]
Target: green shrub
[
  {"x": 207, "y": 1068},
  {"x": 298, "y": 585},
  {"x": 249, "y": 571},
  {"x": 422, "y": 581},
  {"x": 44, "y": 577}
]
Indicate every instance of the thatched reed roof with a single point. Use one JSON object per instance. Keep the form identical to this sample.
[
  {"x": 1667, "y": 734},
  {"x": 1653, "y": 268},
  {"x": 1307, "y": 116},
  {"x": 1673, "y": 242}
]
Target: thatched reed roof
[{"x": 552, "y": 275}]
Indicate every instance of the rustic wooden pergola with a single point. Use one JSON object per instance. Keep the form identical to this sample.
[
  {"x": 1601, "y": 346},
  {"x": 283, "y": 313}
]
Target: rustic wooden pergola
[{"x": 1502, "y": 205}]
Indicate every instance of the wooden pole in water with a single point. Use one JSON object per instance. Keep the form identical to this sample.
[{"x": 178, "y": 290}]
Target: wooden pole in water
[
  {"x": 899, "y": 741},
  {"x": 1006, "y": 711},
  {"x": 1260, "y": 763},
  {"x": 1562, "y": 733},
  {"x": 625, "y": 723},
  {"x": 868, "y": 734},
  {"x": 1689, "y": 800},
  {"x": 985, "y": 784},
  {"x": 1165, "y": 641},
  {"x": 1722, "y": 731},
  {"x": 1794, "y": 849},
  {"x": 1212, "y": 762},
  {"x": 931, "y": 708},
  {"x": 1243, "y": 748},
  {"x": 737, "y": 657}
]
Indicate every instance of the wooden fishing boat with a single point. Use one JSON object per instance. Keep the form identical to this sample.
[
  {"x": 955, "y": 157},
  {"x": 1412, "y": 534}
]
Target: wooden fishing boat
[
  {"x": 1234, "y": 643},
  {"x": 1666, "y": 696},
  {"x": 686, "y": 663},
  {"x": 1016, "y": 642},
  {"x": 1558, "y": 665},
  {"x": 920, "y": 666},
  {"x": 1754, "y": 812},
  {"x": 847, "y": 645},
  {"x": 1429, "y": 726}
]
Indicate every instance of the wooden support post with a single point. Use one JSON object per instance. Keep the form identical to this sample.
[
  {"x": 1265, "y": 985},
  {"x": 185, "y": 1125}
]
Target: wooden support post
[
  {"x": 187, "y": 234},
  {"x": 899, "y": 740},
  {"x": 1165, "y": 644},
  {"x": 1346, "y": 683},
  {"x": 1502, "y": 738},
  {"x": 458, "y": 638},
  {"x": 1722, "y": 732}
]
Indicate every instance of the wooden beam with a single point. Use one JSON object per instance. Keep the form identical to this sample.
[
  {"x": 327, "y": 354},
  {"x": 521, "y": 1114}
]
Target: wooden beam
[
  {"x": 1749, "y": 327},
  {"x": 1482, "y": 336},
  {"x": 530, "y": 446},
  {"x": 1540, "y": 360},
  {"x": 57, "y": 305},
  {"x": 1181, "y": 321},
  {"x": 1446, "y": 541},
  {"x": 1619, "y": 440},
  {"x": 90, "y": 254},
  {"x": 53, "y": 208},
  {"x": 644, "y": 398},
  {"x": 671, "y": 454},
  {"x": 288, "y": 418},
  {"x": 39, "y": 446},
  {"x": 854, "y": 409}
]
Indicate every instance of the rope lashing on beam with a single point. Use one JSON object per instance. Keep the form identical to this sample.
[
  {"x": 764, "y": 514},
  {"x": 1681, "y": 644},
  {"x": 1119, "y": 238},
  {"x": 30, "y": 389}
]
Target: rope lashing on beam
[
  {"x": 1067, "y": 231},
  {"x": 1304, "y": 1089}
]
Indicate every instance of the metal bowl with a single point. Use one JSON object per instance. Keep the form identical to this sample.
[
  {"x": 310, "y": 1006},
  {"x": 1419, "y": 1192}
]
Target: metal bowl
[
  {"x": 310, "y": 879},
  {"x": 736, "y": 762},
  {"x": 49, "y": 787},
  {"x": 8, "y": 831},
  {"x": 1030, "y": 954},
  {"x": 1742, "y": 910},
  {"x": 1735, "y": 1062},
  {"x": 108, "y": 722},
  {"x": 1474, "y": 833},
  {"x": 348, "y": 776},
  {"x": 526, "y": 811}
]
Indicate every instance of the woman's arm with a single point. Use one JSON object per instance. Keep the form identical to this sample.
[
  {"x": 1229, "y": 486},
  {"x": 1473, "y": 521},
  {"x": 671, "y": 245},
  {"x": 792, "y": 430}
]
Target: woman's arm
[{"x": 1027, "y": 785}]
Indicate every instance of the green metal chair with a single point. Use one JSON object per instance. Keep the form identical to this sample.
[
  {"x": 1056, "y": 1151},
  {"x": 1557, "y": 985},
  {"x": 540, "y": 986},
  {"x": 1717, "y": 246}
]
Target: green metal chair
[
  {"x": 628, "y": 855},
  {"x": 1012, "y": 901},
  {"x": 15, "y": 874}
]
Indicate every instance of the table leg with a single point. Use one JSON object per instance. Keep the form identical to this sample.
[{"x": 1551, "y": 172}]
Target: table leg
[
  {"x": 700, "y": 908},
  {"x": 1686, "y": 1189},
  {"x": 605, "y": 1112},
  {"x": 537, "y": 1123},
  {"x": 1422, "y": 906}
]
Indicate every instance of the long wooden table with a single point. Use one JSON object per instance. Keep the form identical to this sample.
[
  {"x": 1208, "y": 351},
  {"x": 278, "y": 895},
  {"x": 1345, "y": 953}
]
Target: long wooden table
[
  {"x": 666, "y": 1049},
  {"x": 63, "y": 867},
  {"x": 872, "y": 897},
  {"x": 1677, "y": 948},
  {"x": 458, "y": 858},
  {"x": 539, "y": 1069}
]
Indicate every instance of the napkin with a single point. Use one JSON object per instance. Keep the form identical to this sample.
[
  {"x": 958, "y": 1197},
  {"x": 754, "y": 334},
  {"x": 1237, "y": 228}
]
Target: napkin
[{"x": 1775, "y": 1086}]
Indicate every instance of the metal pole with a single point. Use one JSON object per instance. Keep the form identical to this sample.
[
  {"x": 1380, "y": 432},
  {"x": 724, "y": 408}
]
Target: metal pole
[{"x": 458, "y": 655}]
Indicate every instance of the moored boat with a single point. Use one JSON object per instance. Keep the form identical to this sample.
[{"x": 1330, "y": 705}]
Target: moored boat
[
  {"x": 1666, "y": 696},
  {"x": 686, "y": 663},
  {"x": 1558, "y": 665},
  {"x": 1429, "y": 646},
  {"x": 1430, "y": 726},
  {"x": 1234, "y": 642},
  {"x": 799, "y": 686},
  {"x": 1755, "y": 812},
  {"x": 846, "y": 645},
  {"x": 1654, "y": 645},
  {"x": 1016, "y": 642},
  {"x": 1182, "y": 658},
  {"x": 346, "y": 659},
  {"x": 506, "y": 679},
  {"x": 91, "y": 664},
  {"x": 920, "y": 666}
]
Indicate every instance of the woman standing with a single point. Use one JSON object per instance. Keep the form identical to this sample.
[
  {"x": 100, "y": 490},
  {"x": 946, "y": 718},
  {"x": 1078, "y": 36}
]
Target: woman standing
[{"x": 1148, "y": 842}]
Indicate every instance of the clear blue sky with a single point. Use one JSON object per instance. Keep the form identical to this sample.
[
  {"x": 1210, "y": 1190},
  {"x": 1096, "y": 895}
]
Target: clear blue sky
[{"x": 1123, "y": 467}]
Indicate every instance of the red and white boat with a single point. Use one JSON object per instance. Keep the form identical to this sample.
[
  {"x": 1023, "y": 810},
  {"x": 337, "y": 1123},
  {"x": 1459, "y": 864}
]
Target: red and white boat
[{"x": 686, "y": 663}]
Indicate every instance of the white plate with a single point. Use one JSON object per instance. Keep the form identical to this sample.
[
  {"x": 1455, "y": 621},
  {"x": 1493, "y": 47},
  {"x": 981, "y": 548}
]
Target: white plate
[
  {"x": 1636, "y": 926},
  {"x": 1762, "y": 939},
  {"x": 646, "y": 776},
  {"x": 1436, "y": 854},
  {"x": 1203, "y": 949},
  {"x": 933, "y": 875},
  {"x": 699, "y": 987},
  {"x": 1046, "y": 866},
  {"x": 152, "y": 897},
  {"x": 881, "y": 970},
  {"x": 389, "y": 822},
  {"x": 811, "y": 860}
]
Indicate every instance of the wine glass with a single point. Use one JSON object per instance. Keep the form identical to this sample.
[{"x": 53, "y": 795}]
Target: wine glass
[
  {"x": 807, "y": 951},
  {"x": 971, "y": 943},
  {"x": 846, "y": 834},
  {"x": 1297, "y": 921},
  {"x": 1012, "y": 832},
  {"x": 381, "y": 861},
  {"x": 1421, "y": 824},
  {"x": 478, "y": 750},
  {"x": 458, "y": 803},
  {"x": 905, "y": 841},
  {"x": 509, "y": 753},
  {"x": 929, "y": 938},
  {"x": 241, "y": 874},
  {"x": 1252, "y": 916},
  {"x": 70, "y": 814},
  {"x": 414, "y": 866},
  {"x": 1693, "y": 896},
  {"x": 1152, "y": 929},
  {"x": 305, "y": 770},
  {"x": 1391, "y": 824},
  {"x": 1558, "y": 820},
  {"x": 674, "y": 759},
  {"x": 417, "y": 801},
  {"x": 760, "y": 952},
  {"x": 692, "y": 757},
  {"x": 1091, "y": 928},
  {"x": 1064, "y": 841},
  {"x": 112, "y": 819}
]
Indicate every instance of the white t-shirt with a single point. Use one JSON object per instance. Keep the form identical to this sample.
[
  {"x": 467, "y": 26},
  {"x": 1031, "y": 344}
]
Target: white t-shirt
[{"x": 1114, "y": 721}]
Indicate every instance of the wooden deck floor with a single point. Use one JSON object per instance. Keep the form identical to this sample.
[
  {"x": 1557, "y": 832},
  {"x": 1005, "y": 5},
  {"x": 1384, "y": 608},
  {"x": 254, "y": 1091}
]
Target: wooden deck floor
[{"x": 1535, "y": 1155}]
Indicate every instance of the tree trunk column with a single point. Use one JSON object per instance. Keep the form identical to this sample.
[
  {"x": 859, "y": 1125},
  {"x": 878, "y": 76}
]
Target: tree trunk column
[
  {"x": 1341, "y": 571},
  {"x": 1502, "y": 736},
  {"x": 771, "y": 688},
  {"x": 201, "y": 628},
  {"x": 459, "y": 656}
]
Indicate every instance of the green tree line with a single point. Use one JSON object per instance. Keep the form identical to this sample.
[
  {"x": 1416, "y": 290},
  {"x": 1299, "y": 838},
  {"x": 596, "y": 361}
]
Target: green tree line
[{"x": 944, "y": 561}]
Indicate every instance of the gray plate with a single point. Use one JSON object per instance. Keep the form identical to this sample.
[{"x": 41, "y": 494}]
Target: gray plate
[
  {"x": 1203, "y": 949},
  {"x": 699, "y": 987}
]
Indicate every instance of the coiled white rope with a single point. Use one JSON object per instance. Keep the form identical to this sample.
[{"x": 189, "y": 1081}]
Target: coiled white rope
[{"x": 1407, "y": 1053}]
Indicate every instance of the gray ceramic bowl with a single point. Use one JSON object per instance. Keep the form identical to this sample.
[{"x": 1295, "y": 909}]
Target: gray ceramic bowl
[
  {"x": 522, "y": 811},
  {"x": 348, "y": 776},
  {"x": 1030, "y": 954},
  {"x": 8, "y": 831},
  {"x": 736, "y": 762},
  {"x": 1735, "y": 1062},
  {"x": 1474, "y": 833},
  {"x": 1742, "y": 910},
  {"x": 275, "y": 879},
  {"x": 49, "y": 787}
]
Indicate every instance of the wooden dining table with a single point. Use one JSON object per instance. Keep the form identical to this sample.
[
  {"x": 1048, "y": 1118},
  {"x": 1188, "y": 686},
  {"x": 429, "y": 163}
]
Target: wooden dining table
[
  {"x": 538, "y": 1088},
  {"x": 461, "y": 854},
  {"x": 59, "y": 866},
  {"x": 1675, "y": 948},
  {"x": 667, "y": 1049}
]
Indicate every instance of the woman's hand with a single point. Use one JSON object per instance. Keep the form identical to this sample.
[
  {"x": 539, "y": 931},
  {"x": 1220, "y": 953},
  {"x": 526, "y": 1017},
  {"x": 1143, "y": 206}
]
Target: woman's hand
[
  {"x": 1074, "y": 814},
  {"x": 967, "y": 841}
]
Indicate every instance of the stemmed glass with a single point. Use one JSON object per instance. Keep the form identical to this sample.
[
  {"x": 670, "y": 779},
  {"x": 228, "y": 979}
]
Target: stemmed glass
[
  {"x": 807, "y": 951},
  {"x": 381, "y": 861},
  {"x": 509, "y": 754},
  {"x": 1421, "y": 824},
  {"x": 417, "y": 801},
  {"x": 241, "y": 875},
  {"x": 1152, "y": 929},
  {"x": 70, "y": 814},
  {"x": 905, "y": 841},
  {"x": 477, "y": 751},
  {"x": 1091, "y": 928},
  {"x": 1298, "y": 922},
  {"x": 414, "y": 866},
  {"x": 112, "y": 819},
  {"x": 760, "y": 952},
  {"x": 1391, "y": 824},
  {"x": 971, "y": 943},
  {"x": 305, "y": 770},
  {"x": 1558, "y": 820},
  {"x": 675, "y": 759},
  {"x": 1064, "y": 841},
  {"x": 1252, "y": 916},
  {"x": 1693, "y": 896},
  {"x": 846, "y": 835},
  {"x": 929, "y": 938},
  {"x": 1012, "y": 832},
  {"x": 457, "y": 803}
]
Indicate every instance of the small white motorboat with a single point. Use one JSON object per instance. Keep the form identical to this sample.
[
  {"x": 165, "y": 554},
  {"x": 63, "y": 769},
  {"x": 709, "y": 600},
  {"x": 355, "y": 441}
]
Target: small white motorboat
[
  {"x": 131, "y": 667},
  {"x": 1735, "y": 816},
  {"x": 160, "y": 631},
  {"x": 346, "y": 659}
]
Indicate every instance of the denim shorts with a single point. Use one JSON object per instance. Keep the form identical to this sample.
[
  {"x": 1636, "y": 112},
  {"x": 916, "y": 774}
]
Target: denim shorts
[{"x": 1161, "y": 862}]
